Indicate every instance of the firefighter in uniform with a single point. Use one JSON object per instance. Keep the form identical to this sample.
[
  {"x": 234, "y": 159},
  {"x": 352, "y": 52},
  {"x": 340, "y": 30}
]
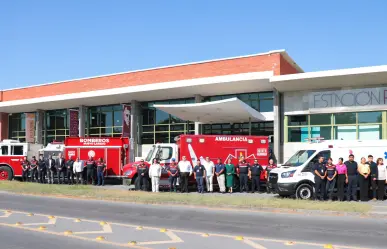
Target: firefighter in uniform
[
  {"x": 255, "y": 175},
  {"x": 42, "y": 169},
  {"x": 70, "y": 173},
  {"x": 143, "y": 176},
  {"x": 90, "y": 166},
  {"x": 25, "y": 164},
  {"x": 268, "y": 169},
  {"x": 34, "y": 169},
  {"x": 243, "y": 171},
  {"x": 173, "y": 171},
  {"x": 51, "y": 170},
  {"x": 101, "y": 168}
]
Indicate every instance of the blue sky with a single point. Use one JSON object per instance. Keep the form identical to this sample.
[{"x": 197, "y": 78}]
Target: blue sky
[{"x": 45, "y": 41}]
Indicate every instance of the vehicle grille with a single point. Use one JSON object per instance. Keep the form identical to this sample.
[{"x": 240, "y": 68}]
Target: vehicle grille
[{"x": 273, "y": 178}]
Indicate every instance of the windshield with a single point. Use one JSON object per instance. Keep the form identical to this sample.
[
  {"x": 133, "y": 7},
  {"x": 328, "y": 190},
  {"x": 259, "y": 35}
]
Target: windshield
[
  {"x": 150, "y": 154},
  {"x": 299, "y": 158}
]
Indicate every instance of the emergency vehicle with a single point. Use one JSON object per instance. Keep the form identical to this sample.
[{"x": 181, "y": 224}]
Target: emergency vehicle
[
  {"x": 197, "y": 147},
  {"x": 295, "y": 176},
  {"x": 53, "y": 149},
  {"x": 12, "y": 154},
  {"x": 114, "y": 151}
]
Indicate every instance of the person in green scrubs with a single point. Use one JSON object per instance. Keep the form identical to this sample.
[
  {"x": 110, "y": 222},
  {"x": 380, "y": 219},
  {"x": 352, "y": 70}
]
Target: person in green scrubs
[{"x": 230, "y": 171}]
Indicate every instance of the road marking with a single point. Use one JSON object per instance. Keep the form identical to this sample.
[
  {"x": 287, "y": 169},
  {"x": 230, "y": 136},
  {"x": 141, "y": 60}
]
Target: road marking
[
  {"x": 50, "y": 222},
  {"x": 6, "y": 215},
  {"x": 253, "y": 245},
  {"x": 174, "y": 239},
  {"x": 105, "y": 229}
]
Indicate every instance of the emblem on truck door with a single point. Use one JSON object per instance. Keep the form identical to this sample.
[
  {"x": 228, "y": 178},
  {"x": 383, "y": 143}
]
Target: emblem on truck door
[{"x": 91, "y": 153}]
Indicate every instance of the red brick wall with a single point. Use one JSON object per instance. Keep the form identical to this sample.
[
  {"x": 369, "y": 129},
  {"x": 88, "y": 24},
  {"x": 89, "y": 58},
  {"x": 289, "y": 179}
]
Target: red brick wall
[
  {"x": 3, "y": 126},
  {"x": 257, "y": 63},
  {"x": 286, "y": 67}
]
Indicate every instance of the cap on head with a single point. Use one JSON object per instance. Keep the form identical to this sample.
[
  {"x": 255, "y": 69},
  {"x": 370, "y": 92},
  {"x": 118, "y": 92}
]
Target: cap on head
[{"x": 173, "y": 159}]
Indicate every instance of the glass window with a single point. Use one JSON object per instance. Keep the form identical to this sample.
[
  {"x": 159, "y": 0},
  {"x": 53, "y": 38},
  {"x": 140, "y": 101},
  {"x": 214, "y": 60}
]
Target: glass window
[
  {"x": 117, "y": 129},
  {"x": 323, "y": 131},
  {"x": 345, "y": 118},
  {"x": 369, "y": 117},
  {"x": 266, "y": 105},
  {"x": 254, "y": 104},
  {"x": 320, "y": 119},
  {"x": 147, "y": 138},
  {"x": 162, "y": 137},
  {"x": 148, "y": 128},
  {"x": 117, "y": 118},
  {"x": 166, "y": 153},
  {"x": 162, "y": 127},
  {"x": 370, "y": 132},
  {"x": 298, "y": 120},
  {"x": 4, "y": 150},
  {"x": 299, "y": 158},
  {"x": 173, "y": 135},
  {"x": 17, "y": 150},
  {"x": 347, "y": 132},
  {"x": 266, "y": 95},
  {"x": 162, "y": 117},
  {"x": 297, "y": 134},
  {"x": 106, "y": 119}
]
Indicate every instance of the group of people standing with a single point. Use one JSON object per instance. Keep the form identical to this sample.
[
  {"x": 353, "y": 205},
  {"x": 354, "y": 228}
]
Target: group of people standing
[
  {"x": 369, "y": 176},
  {"x": 204, "y": 172},
  {"x": 66, "y": 171}
]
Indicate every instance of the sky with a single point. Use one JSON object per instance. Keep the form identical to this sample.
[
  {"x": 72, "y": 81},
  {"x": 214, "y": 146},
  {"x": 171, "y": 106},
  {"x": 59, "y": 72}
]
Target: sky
[{"x": 46, "y": 41}]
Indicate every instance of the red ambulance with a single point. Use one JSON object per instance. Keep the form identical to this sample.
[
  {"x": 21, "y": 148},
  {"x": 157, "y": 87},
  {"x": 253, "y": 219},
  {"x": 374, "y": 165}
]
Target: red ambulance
[
  {"x": 114, "y": 152},
  {"x": 197, "y": 147}
]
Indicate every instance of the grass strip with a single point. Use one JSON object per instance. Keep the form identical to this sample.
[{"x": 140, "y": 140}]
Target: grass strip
[{"x": 230, "y": 201}]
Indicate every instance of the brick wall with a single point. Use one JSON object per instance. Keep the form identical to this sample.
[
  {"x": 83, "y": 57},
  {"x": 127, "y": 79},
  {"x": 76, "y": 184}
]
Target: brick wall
[{"x": 3, "y": 126}]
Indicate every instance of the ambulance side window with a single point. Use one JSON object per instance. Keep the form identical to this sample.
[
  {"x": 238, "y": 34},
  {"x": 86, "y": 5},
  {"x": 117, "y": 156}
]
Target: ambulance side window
[
  {"x": 4, "y": 150},
  {"x": 166, "y": 153},
  {"x": 17, "y": 150}
]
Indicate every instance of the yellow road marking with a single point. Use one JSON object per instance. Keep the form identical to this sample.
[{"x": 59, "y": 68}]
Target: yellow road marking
[
  {"x": 253, "y": 245},
  {"x": 169, "y": 232}
]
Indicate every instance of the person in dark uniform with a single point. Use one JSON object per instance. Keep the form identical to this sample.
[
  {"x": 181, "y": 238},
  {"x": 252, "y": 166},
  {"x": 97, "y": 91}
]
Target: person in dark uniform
[
  {"x": 320, "y": 173},
  {"x": 25, "y": 164},
  {"x": 42, "y": 169},
  {"x": 352, "y": 178},
  {"x": 70, "y": 171},
  {"x": 51, "y": 170},
  {"x": 199, "y": 172},
  {"x": 243, "y": 171},
  {"x": 61, "y": 168},
  {"x": 269, "y": 167},
  {"x": 173, "y": 171},
  {"x": 101, "y": 168},
  {"x": 34, "y": 169},
  {"x": 255, "y": 175},
  {"x": 143, "y": 176},
  {"x": 90, "y": 166},
  {"x": 374, "y": 175},
  {"x": 331, "y": 178}
]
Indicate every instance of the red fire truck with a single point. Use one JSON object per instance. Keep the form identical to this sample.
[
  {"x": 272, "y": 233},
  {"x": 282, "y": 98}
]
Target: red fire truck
[
  {"x": 12, "y": 153},
  {"x": 197, "y": 147},
  {"x": 114, "y": 151}
]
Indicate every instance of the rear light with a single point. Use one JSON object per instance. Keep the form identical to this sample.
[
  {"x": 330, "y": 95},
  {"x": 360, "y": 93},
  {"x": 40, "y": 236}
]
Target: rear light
[
  {"x": 263, "y": 141},
  {"x": 201, "y": 140},
  {"x": 250, "y": 141},
  {"x": 189, "y": 140},
  {"x": 330, "y": 146}
]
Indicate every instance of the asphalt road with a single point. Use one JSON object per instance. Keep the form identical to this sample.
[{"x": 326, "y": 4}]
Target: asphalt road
[{"x": 184, "y": 226}]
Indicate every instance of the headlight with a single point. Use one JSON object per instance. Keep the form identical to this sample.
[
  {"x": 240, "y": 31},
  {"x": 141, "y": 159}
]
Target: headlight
[
  {"x": 288, "y": 174},
  {"x": 129, "y": 172}
]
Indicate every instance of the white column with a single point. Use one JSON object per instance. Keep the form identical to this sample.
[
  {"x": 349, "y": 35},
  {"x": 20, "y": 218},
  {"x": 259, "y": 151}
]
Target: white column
[
  {"x": 198, "y": 99},
  {"x": 278, "y": 126},
  {"x": 39, "y": 126},
  {"x": 134, "y": 129}
]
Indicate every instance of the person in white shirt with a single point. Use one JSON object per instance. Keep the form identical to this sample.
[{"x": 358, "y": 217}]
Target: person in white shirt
[
  {"x": 381, "y": 178},
  {"x": 78, "y": 170},
  {"x": 185, "y": 169},
  {"x": 154, "y": 174},
  {"x": 210, "y": 171}
]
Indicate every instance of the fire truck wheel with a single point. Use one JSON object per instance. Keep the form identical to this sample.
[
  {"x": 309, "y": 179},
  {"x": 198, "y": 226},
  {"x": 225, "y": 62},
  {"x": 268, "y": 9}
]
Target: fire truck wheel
[
  {"x": 304, "y": 191},
  {"x": 5, "y": 173}
]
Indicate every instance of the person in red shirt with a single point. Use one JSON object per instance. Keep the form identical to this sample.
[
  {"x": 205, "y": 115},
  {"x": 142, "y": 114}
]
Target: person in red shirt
[
  {"x": 267, "y": 171},
  {"x": 25, "y": 164},
  {"x": 173, "y": 171}
]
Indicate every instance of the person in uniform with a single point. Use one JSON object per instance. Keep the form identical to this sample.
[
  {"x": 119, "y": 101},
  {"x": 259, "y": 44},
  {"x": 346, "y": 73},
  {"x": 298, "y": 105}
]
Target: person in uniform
[
  {"x": 243, "y": 171},
  {"x": 364, "y": 171},
  {"x": 199, "y": 172},
  {"x": 173, "y": 171},
  {"x": 230, "y": 172},
  {"x": 42, "y": 170},
  {"x": 78, "y": 170},
  {"x": 220, "y": 170},
  {"x": 25, "y": 164},
  {"x": 61, "y": 168},
  {"x": 143, "y": 176},
  {"x": 154, "y": 174},
  {"x": 352, "y": 178},
  {"x": 51, "y": 170},
  {"x": 34, "y": 169},
  {"x": 101, "y": 168},
  {"x": 267, "y": 172},
  {"x": 70, "y": 171},
  {"x": 320, "y": 173},
  {"x": 331, "y": 178},
  {"x": 255, "y": 171},
  {"x": 374, "y": 175},
  {"x": 90, "y": 166},
  {"x": 185, "y": 171}
]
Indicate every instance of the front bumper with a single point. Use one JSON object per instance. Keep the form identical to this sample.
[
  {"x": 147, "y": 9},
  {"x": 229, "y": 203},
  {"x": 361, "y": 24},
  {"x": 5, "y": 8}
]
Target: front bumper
[{"x": 283, "y": 188}]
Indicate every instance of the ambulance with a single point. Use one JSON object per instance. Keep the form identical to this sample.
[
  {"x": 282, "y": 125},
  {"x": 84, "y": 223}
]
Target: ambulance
[
  {"x": 198, "y": 147},
  {"x": 12, "y": 154},
  {"x": 114, "y": 151},
  {"x": 295, "y": 177}
]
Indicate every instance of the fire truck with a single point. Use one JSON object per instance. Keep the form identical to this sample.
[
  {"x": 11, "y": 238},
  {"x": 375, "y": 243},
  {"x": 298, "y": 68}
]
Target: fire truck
[
  {"x": 197, "y": 147},
  {"x": 12, "y": 154},
  {"x": 114, "y": 151}
]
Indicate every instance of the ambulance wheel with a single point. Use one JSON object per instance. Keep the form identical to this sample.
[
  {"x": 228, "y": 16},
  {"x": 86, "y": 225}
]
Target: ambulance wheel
[
  {"x": 5, "y": 173},
  {"x": 304, "y": 192}
]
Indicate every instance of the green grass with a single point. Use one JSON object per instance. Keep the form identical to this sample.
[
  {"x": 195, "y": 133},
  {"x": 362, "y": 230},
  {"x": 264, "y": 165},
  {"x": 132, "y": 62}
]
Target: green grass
[{"x": 228, "y": 201}]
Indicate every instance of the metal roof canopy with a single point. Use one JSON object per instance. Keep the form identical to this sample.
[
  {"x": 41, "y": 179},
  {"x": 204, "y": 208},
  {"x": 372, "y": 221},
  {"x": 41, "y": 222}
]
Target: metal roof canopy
[{"x": 231, "y": 110}]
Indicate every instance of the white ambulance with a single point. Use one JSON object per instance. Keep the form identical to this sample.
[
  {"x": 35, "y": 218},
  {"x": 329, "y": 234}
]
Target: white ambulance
[{"x": 295, "y": 177}]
